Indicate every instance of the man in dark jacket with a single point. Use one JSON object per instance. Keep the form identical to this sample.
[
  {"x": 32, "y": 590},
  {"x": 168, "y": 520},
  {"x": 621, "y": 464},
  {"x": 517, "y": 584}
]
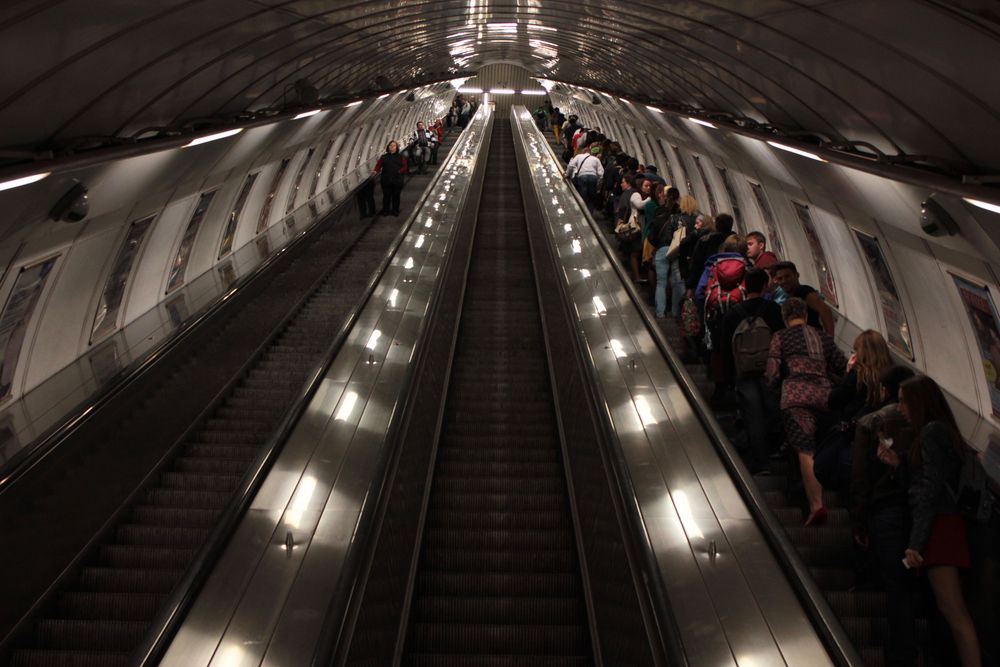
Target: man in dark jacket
[
  {"x": 880, "y": 511},
  {"x": 707, "y": 246},
  {"x": 759, "y": 405}
]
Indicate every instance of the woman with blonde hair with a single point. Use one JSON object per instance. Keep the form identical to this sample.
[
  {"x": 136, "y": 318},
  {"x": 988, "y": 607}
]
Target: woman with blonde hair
[{"x": 687, "y": 235}]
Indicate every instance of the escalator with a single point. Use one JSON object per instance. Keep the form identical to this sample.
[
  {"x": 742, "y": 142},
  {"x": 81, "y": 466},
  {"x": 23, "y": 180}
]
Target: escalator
[
  {"x": 498, "y": 577},
  {"x": 104, "y": 606}
]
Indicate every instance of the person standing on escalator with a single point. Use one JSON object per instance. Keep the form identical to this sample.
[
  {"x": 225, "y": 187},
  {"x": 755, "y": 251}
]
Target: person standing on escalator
[{"x": 392, "y": 166}]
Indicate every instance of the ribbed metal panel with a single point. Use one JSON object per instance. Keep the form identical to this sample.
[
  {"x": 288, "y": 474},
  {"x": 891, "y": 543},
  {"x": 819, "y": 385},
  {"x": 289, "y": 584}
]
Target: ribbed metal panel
[{"x": 507, "y": 75}]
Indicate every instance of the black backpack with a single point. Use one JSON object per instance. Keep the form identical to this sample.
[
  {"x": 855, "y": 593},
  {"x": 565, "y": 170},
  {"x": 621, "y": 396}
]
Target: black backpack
[{"x": 751, "y": 345}]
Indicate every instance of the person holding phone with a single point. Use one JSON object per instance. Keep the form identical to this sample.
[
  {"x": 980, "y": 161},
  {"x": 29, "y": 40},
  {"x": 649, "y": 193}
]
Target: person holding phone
[{"x": 880, "y": 511}]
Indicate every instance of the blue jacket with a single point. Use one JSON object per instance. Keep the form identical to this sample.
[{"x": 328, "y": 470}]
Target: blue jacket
[{"x": 699, "y": 292}]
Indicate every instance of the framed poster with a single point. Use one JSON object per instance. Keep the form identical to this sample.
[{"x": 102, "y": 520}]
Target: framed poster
[
  {"x": 827, "y": 287},
  {"x": 17, "y": 315},
  {"x": 897, "y": 328},
  {"x": 983, "y": 317},
  {"x": 767, "y": 215}
]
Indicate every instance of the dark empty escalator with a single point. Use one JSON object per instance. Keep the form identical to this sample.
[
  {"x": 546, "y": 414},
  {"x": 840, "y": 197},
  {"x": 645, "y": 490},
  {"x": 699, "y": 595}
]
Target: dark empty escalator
[{"x": 498, "y": 578}]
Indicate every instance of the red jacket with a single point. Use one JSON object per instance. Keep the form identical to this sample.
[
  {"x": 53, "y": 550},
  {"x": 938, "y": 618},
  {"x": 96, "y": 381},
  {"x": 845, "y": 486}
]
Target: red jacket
[{"x": 765, "y": 259}]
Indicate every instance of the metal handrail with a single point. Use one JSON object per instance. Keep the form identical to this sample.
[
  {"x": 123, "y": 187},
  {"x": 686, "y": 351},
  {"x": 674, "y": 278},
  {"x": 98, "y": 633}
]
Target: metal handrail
[
  {"x": 667, "y": 628},
  {"x": 336, "y": 620},
  {"x": 835, "y": 638}
]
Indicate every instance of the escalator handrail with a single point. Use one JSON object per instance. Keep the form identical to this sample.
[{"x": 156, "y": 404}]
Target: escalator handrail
[
  {"x": 335, "y": 621},
  {"x": 834, "y": 637},
  {"x": 50, "y": 441},
  {"x": 665, "y": 625},
  {"x": 169, "y": 620}
]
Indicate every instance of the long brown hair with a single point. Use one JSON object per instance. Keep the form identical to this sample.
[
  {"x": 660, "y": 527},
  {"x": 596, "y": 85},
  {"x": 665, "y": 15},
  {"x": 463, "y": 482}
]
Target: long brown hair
[
  {"x": 925, "y": 403},
  {"x": 872, "y": 358}
]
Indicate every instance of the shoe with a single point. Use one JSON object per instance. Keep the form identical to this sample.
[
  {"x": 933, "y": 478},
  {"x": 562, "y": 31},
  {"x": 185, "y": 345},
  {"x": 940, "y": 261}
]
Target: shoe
[{"x": 817, "y": 518}]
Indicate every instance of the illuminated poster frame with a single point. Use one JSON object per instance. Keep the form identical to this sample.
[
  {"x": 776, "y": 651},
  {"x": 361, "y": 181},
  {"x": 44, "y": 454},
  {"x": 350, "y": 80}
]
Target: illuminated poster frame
[
  {"x": 827, "y": 285},
  {"x": 16, "y": 317},
  {"x": 896, "y": 324},
  {"x": 982, "y": 313}
]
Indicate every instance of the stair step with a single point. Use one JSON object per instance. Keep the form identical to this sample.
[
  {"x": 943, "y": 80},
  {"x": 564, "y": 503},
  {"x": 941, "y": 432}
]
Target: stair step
[
  {"x": 491, "y": 639},
  {"x": 113, "y": 606},
  {"x": 81, "y": 634}
]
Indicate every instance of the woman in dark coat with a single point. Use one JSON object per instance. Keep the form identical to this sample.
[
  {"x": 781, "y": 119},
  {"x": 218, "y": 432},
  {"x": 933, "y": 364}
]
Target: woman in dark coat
[
  {"x": 392, "y": 166},
  {"x": 938, "y": 541}
]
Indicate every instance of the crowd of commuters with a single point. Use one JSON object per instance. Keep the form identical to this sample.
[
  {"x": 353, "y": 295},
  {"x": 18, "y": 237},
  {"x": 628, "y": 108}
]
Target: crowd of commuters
[{"x": 860, "y": 424}]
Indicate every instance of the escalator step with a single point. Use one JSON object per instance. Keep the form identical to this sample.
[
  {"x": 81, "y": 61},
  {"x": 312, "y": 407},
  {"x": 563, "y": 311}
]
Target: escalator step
[
  {"x": 174, "y": 516},
  {"x": 167, "y": 536},
  {"x": 142, "y": 557},
  {"x": 499, "y": 540},
  {"x": 441, "y": 660},
  {"x": 540, "y": 485},
  {"x": 205, "y": 465},
  {"x": 480, "y": 501},
  {"x": 856, "y": 603},
  {"x": 116, "y": 580},
  {"x": 515, "y": 470},
  {"x": 459, "y": 560},
  {"x": 536, "y": 517},
  {"x": 89, "y": 635},
  {"x": 501, "y": 610},
  {"x": 36, "y": 658},
  {"x": 216, "y": 500},
  {"x": 195, "y": 482},
  {"x": 499, "y": 454},
  {"x": 114, "y": 606},
  {"x": 494, "y": 639}
]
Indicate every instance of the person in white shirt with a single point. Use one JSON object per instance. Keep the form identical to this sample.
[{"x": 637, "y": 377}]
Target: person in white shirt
[{"x": 586, "y": 170}]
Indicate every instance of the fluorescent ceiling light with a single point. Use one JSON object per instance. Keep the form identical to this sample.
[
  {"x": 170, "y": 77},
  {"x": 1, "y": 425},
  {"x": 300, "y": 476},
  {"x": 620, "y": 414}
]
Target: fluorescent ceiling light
[
  {"x": 25, "y": 180},
  {"x": 458, "y": 83},
  {"x": 992, "y": 208},
  {"x": 382, "y": 96},
  {"x": 546, "y": 84},
  {"x": 213, "y": 137},
  {"x": 702, "y": 122},
  {"x": 535, "y": 26},
  {"x": 532, "y": 92},
  {"x": 306, "y": 114},
  {"x": 471, "y": 91},
  {"x": 501, "y": 91},
  {"x": 811, "y": 156},
  {"x": 624, "y": 100},
  {"x": 354, "y": 103},
  {"x": 657, "y": 110}
]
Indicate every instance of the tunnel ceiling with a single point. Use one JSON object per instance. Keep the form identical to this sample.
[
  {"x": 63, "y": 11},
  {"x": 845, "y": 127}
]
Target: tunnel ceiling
[{"x": 913, "y": 76}]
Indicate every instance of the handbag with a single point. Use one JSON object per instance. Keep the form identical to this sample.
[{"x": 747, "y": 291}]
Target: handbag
[
  {"x": 675, "y": 243},
  {"x": 648, "y": 250},
  {"x": 690, "y": 321},
  {"x": 628, "y": 231}
]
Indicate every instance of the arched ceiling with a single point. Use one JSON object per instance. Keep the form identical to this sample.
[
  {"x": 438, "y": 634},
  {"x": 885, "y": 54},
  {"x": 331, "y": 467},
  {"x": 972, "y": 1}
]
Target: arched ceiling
[{"x": 913, "y": 76}]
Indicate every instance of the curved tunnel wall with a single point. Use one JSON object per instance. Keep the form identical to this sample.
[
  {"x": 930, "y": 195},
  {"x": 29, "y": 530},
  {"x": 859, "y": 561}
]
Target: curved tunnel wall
[
  {"x": 839, "y": 202},
  {"x": 168, "y": 187},
  {"x": 144, "y": 216}
]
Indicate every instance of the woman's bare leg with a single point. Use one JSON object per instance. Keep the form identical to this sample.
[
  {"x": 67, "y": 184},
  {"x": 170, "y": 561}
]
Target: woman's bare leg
[
  {"x": 947, "y": 589},
  {"x": 814, "y": 490}
]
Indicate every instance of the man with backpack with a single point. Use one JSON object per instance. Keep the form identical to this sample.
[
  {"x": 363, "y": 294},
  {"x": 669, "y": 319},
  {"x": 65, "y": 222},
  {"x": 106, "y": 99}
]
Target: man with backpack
[
  {"x": 719, "y": 289},
  {"x": 745, "y": 340}
]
